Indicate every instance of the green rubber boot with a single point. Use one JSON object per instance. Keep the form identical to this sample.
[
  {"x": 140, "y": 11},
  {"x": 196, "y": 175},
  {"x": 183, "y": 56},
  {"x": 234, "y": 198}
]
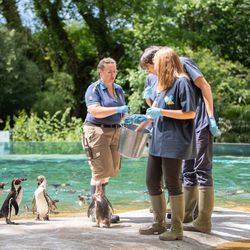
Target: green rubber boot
[
  {"x": 206, "y": 204},
  {"x": 159, "y": 212},
  {"x": 191, "y": 203},
  {"x": 176, "y": 230}
]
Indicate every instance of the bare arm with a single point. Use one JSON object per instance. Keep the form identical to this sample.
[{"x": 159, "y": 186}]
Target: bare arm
[
  {"x": 101, "y": 112},
  {"x": 143, "y": 125},
  {"x": 206, "y": 91},
  {"x": 148, "y": 101},
  {"x": 178, "y": 114}
]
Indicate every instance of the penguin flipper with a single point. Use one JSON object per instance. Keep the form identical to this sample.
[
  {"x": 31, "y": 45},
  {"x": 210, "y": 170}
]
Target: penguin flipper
[
  {"x": 33, "y": 205},
  {"x": 91, "y": 206},
  {"x": 109, "y": 203},
  {"x": 15, "y": 205}
]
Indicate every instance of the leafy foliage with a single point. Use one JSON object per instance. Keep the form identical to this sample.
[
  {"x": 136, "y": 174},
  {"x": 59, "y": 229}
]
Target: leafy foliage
[
  {"x": 52, "y": 70},
  {"x": 58, "y": 94},
  {"x": 19, "y": 77},
  {"x": 49, "y": 128},
  {"x": 222, "y": 26}
]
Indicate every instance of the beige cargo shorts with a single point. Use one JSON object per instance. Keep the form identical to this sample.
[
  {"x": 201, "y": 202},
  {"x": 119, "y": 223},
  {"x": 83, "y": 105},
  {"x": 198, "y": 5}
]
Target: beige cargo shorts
[{"x": 102, "y": 146}]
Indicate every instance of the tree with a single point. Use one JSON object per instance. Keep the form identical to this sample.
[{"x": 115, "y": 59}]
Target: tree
[
  {"x": 19, "y": 77},
  {"x": 222, "y": 26},
  {"x": 9, "y": 10}
]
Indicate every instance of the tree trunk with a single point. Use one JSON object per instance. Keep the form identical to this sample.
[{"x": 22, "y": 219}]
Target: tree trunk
[
  {"x": 48, "y": 13},
  {"x": 11, "y": 14}
]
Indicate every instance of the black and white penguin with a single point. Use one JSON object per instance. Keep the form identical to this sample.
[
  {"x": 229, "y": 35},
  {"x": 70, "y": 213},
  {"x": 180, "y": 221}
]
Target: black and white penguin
[
  {"x": 13, "y": 199},
  {"x": 100, "y": 208},
  {"x": 2, "y": 184},
  {"x": 43, "y": 203},
  {"x": 81, "y": 200}
]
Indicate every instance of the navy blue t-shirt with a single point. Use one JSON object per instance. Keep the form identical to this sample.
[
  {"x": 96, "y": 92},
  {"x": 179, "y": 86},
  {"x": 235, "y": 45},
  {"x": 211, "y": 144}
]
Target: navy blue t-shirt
[
  {"x": 174, "y": 138},
  {"x": 97, "y": 93},
  {"x": 201, "y": 119}
]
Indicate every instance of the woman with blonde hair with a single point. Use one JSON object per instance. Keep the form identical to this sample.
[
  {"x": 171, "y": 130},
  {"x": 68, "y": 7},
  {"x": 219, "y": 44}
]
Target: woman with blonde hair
[{"x": 173, "y": 140}]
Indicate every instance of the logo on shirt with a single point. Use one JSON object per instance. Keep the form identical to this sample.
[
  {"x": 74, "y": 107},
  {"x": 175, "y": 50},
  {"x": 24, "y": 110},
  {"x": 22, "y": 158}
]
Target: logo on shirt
[
  {"x": 169, "y": 100},
  {"x": 90, "y": 98}
]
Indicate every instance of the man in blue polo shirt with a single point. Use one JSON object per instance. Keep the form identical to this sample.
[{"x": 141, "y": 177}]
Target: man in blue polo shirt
[{"x": 197, "y": 173}]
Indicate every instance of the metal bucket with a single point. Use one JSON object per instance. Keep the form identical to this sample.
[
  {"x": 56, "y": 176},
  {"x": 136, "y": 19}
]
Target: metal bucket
[{"x": 132, "y": 143}]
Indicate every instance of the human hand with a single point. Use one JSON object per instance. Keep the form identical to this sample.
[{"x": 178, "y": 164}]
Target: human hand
[
  {"x": 137, "y": 118},
  {"x": 154, "y": 112},
  {"x": 148, "y": 91},
  {"x": 127, "y": 121},
  {"x": 213, "y": 128},
  {"x": 122, "y": 109}
]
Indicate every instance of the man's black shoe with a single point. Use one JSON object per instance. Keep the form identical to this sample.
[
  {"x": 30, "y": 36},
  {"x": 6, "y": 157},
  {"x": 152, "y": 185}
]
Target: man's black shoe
[{"x": 115, "y": 218}]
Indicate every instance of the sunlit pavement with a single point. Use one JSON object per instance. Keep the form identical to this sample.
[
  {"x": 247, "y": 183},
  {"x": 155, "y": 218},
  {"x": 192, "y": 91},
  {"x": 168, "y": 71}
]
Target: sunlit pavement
[{"x": 231, "y": 230}]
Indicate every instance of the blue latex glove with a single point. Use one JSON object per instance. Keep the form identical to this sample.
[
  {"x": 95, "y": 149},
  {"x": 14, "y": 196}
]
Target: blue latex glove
[
  {"x": 154, "y": 112},
  {"x": 127, "y": 121},
  {"x": 213, "y": 128},
  {"x": 136, "y": 118},
  {"x": 122, "y": 109},
  {"x": 148, "y": 91}
]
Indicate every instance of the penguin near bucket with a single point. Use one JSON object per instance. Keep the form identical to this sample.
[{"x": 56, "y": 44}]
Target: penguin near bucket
[
  {"x": 101, "y": 208},
  {"x": 13, "y": 199},
  {"x": 42, "y": 201}
]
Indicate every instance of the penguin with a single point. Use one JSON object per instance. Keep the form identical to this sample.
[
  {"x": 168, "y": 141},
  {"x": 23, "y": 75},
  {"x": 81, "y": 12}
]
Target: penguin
[
  {"x": 101, "y": 208},
  {"x": 26, "y": 208},
  {"x": 13, "y": 199},
  {"x": 2, "y": 184},
  {"x": 81, "y": 200},
  {"x": 44, "y": 204},
  {"x": 60, "y": 185}
]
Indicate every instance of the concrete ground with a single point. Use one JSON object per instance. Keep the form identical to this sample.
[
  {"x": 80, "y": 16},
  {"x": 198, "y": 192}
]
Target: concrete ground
[{"x": 231, "y": 230}]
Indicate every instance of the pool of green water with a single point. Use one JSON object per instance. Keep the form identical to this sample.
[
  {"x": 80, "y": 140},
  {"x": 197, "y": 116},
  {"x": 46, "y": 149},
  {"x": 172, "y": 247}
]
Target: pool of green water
[{"x": 126, "y": 192}]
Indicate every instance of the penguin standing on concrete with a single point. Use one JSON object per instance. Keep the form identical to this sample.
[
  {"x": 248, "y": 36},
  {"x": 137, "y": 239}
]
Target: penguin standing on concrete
[
  {"x": 13, "y": 199},
  {"x": 100, "y": 208},
  {"x": 44, "y": 204}
]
